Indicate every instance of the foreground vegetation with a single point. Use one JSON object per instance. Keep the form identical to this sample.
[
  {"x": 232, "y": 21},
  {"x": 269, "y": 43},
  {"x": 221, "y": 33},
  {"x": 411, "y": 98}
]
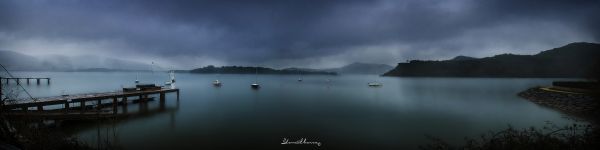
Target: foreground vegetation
[{"x": 550, "y": 137}]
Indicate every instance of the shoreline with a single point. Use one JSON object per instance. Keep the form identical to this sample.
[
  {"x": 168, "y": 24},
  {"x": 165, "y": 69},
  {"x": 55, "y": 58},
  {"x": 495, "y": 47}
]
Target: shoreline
[{"x": 580, "y": 105}]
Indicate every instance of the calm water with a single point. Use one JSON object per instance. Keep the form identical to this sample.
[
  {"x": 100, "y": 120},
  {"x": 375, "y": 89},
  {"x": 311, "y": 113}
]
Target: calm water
[{"x": 342, "y": 113}]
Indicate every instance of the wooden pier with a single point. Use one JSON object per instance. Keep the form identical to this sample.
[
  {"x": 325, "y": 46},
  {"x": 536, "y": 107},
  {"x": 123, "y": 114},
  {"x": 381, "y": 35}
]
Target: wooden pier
[
  {"x": 82, "y": 106},
  {"x": 18, "y": 80}
]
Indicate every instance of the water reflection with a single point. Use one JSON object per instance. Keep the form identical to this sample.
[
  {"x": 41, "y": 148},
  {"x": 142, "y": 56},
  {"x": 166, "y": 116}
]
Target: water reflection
[{"x": 342, "y": 112}]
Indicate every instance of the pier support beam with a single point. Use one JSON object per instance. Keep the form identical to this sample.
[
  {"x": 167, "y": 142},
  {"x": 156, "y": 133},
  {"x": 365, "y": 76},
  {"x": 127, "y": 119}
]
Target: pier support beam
[
  {"x": 67, "y": 107},
  {"x": 82, "y": 105},
  {"x": 48, "y": 79},
  {"x": 38, "y": 81},
  {"x": 162, "y": 101},
  {"x": 143, "y": 103},
  {"x": 124, "y": 101},
  {"x": 27, "y": 81},
  {"x": 115, "y": 105},
  {"x": 99, "y": 104}
]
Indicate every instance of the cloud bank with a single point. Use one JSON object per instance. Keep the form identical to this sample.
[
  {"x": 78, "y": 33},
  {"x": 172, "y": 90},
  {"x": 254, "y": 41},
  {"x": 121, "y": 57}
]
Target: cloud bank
[{"x": 283, "y": 33}]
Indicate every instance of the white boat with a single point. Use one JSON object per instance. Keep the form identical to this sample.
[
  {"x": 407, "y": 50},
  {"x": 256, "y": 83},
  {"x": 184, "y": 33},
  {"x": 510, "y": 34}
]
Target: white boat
[
  {"x": 300, "y": 74},
  {"x": 172, "y": 81},
  {"x": 136, "y": 79},
  {"x": 255, "y": 85},
  {"x": 216, "y": 83},
  {"x": 375, "y": 84}
]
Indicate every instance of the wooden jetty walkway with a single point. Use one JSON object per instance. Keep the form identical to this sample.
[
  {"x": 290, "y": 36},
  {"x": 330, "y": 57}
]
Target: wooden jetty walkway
[
  {"x": 89, "y": 105},
  {"x": 27, "y": 79}
]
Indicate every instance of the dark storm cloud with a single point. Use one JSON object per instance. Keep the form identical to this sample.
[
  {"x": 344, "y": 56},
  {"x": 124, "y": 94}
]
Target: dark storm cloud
[{"x": 284, "y": 33}]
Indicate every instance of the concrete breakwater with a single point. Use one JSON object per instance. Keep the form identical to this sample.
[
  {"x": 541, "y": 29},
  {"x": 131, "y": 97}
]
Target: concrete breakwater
[{"x": 577, "y": 104}]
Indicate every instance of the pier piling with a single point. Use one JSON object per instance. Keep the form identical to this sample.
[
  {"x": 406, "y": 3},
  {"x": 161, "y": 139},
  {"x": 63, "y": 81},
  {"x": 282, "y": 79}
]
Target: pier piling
[
  {"x": 115, "y": 104},
  {"x": 66, "y": 107},
  {"x": 18, "y": 80},
  {"x": 21, "y": 107},
  {"x": 124, "y": 101}
]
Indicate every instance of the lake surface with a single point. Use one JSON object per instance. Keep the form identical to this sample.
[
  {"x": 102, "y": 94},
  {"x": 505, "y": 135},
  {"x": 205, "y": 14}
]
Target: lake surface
[{"x": 340, "y": 113}]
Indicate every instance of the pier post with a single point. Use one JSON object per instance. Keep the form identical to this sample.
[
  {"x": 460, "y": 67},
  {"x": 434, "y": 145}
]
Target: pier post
[
  {"x": 143, "y": 104},
  {"x": 124, "y": 101},
  {"x": 27, "y": 81},
  {"x": 48, "y": 79},
  {"x": 82, "y": 105},
  {"x": 162, "y": 101},
  {"x": 115, "y": 105},
  {"x": 40, "y": 107},
  {"x": 66, "y": 106},
  {"x": 99, "y": 104},
  {"x": 38, "y": 81},
  {"x": 17, "y": 79},
  {"x": 178, "y": 95}
]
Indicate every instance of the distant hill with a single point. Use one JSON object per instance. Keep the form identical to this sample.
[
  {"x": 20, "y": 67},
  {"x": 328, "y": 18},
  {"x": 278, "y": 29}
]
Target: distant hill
[
  {"x": 17, "y": 61},
  {"x": 21, "y": 62},
  {"x": 459, "y": 58},
  {"x": 260, "y": 70},
  {"x": 361, "y": 68},
  {"x": 572, "y": 60},
  {"x": 107, "y": 70}
]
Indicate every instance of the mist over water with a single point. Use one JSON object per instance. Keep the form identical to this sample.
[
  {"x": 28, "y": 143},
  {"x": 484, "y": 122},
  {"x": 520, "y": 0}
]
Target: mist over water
[{"x": 338, "y": 111}]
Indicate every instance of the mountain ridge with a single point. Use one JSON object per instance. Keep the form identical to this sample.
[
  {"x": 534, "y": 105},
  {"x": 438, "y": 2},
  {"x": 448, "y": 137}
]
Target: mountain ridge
[
  {"x": 361, "y": 68},
  {"x": 571, "y": 60},
  {"x": 21, "y": 62},
  {"x": 256, "y": 70}
]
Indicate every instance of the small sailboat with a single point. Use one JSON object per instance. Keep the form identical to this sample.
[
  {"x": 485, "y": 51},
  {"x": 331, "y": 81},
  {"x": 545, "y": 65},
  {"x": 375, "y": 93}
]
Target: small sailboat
[
  {"x": 136, "y": 79},
  {"x": 217, "y": 83},
  {"x": 299, "y": 78},
  {"x": 172, "y": 81},
  {"x": 255, "y": 85},
  {"x": 375, "y": 84}
]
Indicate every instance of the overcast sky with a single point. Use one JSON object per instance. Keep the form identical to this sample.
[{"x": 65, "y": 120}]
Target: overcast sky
[{"x": 284, "y": 33}]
